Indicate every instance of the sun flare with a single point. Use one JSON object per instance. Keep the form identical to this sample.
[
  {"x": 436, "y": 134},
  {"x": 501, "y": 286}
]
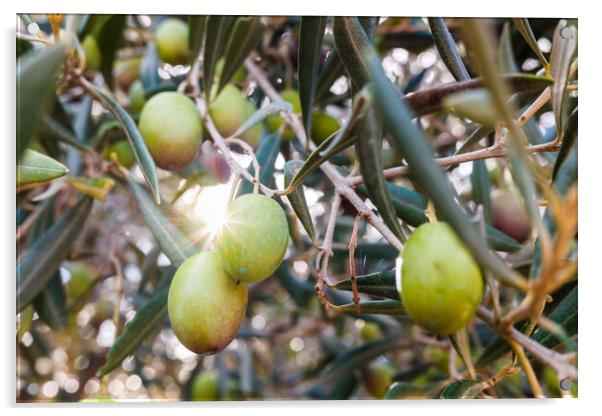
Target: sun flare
[{"x": 211, "y": 207}]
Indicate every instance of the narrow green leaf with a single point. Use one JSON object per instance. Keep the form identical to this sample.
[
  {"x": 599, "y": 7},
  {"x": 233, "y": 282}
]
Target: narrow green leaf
[
  {"x": 476, "y": 105},
  {"x": 246, "y": 35},
  {"x": 426, "y": 172},
  {"x": 144, "y": 324},
  {"x": 332, "y": 70},
  {"x": 297, "y": 198},
  {"x": 352, "y": 42},
  {"x": 406, "y": 391},
  {"x": 266, "y": 154},
  {"x": 506, "y": 52},
  {"x": 217, "y": 28},
  {"x": 383, "y": 307},
  {"x": 35, "y": 167},
  {"x": 473, "y": 140},
  {"x": 564, "y": 47},
  {"x": 381, "y": 284},
  {"x": 409, "y": 205},
  {"x": 143, "y": 156},
  {"x": 565, "y": 315},
  {"x": 336, "y": 143},
  {"x": 569, "y": 137},
  {"x": 357, "y": 357},
  {"x": 463, "y": 389},
  {"x": 36, "y": 72},
  {"x": 50, "y": 303},
  {"x": 38, "y": 265},
  {"x": 525, "y": 30},
  {"x": 500, "y": 241},
  {"x": 196, "y": 34},
  {"x": 446, "y": 46},
  {"x": 176, "y": 246},
  {"x": 149, "y": 67},
  {"x": 110, "y": 36},
  {"x": 311, "y": 34},
  {"x": 369, "y": 150},
  {"x": 481, "y": 188},
  {"x": 259, "y": 115},
  {"x": 431, "y": 100}
]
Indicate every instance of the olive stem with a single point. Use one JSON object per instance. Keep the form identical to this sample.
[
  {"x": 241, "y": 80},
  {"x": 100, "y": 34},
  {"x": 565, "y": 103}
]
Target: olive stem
[
  {"x": 251, "y": 153},
  {"x": 528, "y": 369},
  {"x": 325, "y": 253}
]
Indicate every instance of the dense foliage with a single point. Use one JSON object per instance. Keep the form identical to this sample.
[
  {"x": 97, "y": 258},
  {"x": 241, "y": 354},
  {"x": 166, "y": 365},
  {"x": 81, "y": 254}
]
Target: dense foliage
[{"x": 259, "y": 190}]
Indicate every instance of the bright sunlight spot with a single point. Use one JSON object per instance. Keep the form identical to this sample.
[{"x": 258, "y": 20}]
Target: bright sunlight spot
[{"x": 211, "y": 205}]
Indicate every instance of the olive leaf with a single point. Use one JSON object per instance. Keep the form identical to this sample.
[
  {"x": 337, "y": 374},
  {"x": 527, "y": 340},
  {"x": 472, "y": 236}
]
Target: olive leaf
[
  {"x": 332, "y": 70},
  {"x": 407, "y": 391},
  {"x": 506, "y": 52},
  {"x": 36, "y": 71},
  {"x": 368, "y": 148},
  {"x": 109, "y": 37},
  {"x": 149, "y": 67},
  {"x": 297, "y": 199},
  {"x": 381, "y": 284},
  {"x": 246, "y": 35},
  {"x": 217, "y": 28},
  {"x": 354, "y": 358},
  {"x": 481, "y": 188},
  {"x": 37, "y": 266},
  {"x": 523, "y": 26},
  {"x": 569, "y": 137},
  {"x": 176, "y": 246},
  {"x": 383, "y": 307},
  {"x": 564, "y": 47},
  {"x": 143, "y": 156},
  {"x": 136, "y": 331},
  {"x": 311, "y": 34},
  {"x": 266, "y": 154},
  {"x": 463, "y": 389},
  {"x": 35, "y": 167},
  {"x": 425, "y": 171},
  {"x": 259, "y": 115},
  {"x": 446, "y": 46},
  {"x": 351, "y": 41},
  {"x": 196, "y": 34}
]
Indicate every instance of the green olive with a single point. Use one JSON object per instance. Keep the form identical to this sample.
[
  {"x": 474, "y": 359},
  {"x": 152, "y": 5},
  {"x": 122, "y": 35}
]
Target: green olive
[
  {"x": 126, "y": 71},
  {"x": 509, "y": 215},
  {"x": 229, "y": 110},
  {"x": 124, "y": 152},
  {"x": 206, "y": 306},
  {"x": 253, "y": 241},
  {"x": 378, "y": 376},
  {"x": 441, "y": 284},
  {"x": 136, "y": 96},
  {"x": 370, "y": 331},
  {"x": 171, "y": 38},
  {"x": 82, "y": 276},
  {"x": 92, "y": 53},
  {"x": 205, "y": 386},
  {"x": 172, "y": 128},
  {"x": 273, "y": 123},
  {"x": 323, "y": 126}
]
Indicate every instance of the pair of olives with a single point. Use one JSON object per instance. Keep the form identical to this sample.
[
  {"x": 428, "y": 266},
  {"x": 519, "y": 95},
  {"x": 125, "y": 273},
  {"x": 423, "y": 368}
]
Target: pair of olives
[{"x": 208, "y": 294}]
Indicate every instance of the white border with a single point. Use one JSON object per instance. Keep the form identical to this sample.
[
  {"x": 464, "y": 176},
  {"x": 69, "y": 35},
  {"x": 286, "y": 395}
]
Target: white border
[{"x": 589, "y": 212}]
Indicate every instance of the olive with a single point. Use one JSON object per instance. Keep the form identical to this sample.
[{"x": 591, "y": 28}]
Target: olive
[{"x": 171, "y": 39}]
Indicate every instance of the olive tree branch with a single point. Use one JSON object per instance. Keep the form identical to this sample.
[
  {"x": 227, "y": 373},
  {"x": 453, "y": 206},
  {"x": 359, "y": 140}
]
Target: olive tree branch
[{"x": 327, "y": 168}]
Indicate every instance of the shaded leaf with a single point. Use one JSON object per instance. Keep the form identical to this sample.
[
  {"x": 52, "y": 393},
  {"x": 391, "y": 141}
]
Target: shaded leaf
[
  {"x": 196, "y": 34},
  {"x": 297, "y": 199},
  {"x": 38, "y": 265},
  {"x": 523, "y": 26},
  {"x": 481, "y": 188},
  {"x": 245, "y": 36},
  {"x": 35, "y": 167},
  {"x": 565, "y": 315},
  {"x": 352, "y": 42},
  {"x": 176, "y": 246},
  {"x": 463, "y": 389},
  {"x": 425, "y": 171},
  {"x": 217, "y": 28},
  {"x": 149, "y": 67},
  {"x": 259, "y": 115},
  {"x": 143, "y": 156},
  {"x": 36, "y": 72},
  {"x": 311, "y": 34},
  {"x": 134, "y": 333},
  {"x": 406, "y": 391},
  {"x": 506, "y": 52},
  {"x": 383, "y": 307},
  {"x": 357, "y": 357},
  {"x": 569, "y": 137},
  {"x": 109, "y": 37},
  {"x": 381, "y": 284},
  {"x": 332, "y": 70},
  {"x": 369, "y": 149},
  {"x": 564, "y": 47},
  {"x": 266, "y": 154},
  {"x": 448, "y": 51}
]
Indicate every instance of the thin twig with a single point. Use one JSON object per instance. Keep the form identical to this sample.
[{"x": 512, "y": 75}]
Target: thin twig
[
  {"x": 528, "y": 369},
  {"x": 325, "y": 253},
  {"x": 352, "y": 246}
]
